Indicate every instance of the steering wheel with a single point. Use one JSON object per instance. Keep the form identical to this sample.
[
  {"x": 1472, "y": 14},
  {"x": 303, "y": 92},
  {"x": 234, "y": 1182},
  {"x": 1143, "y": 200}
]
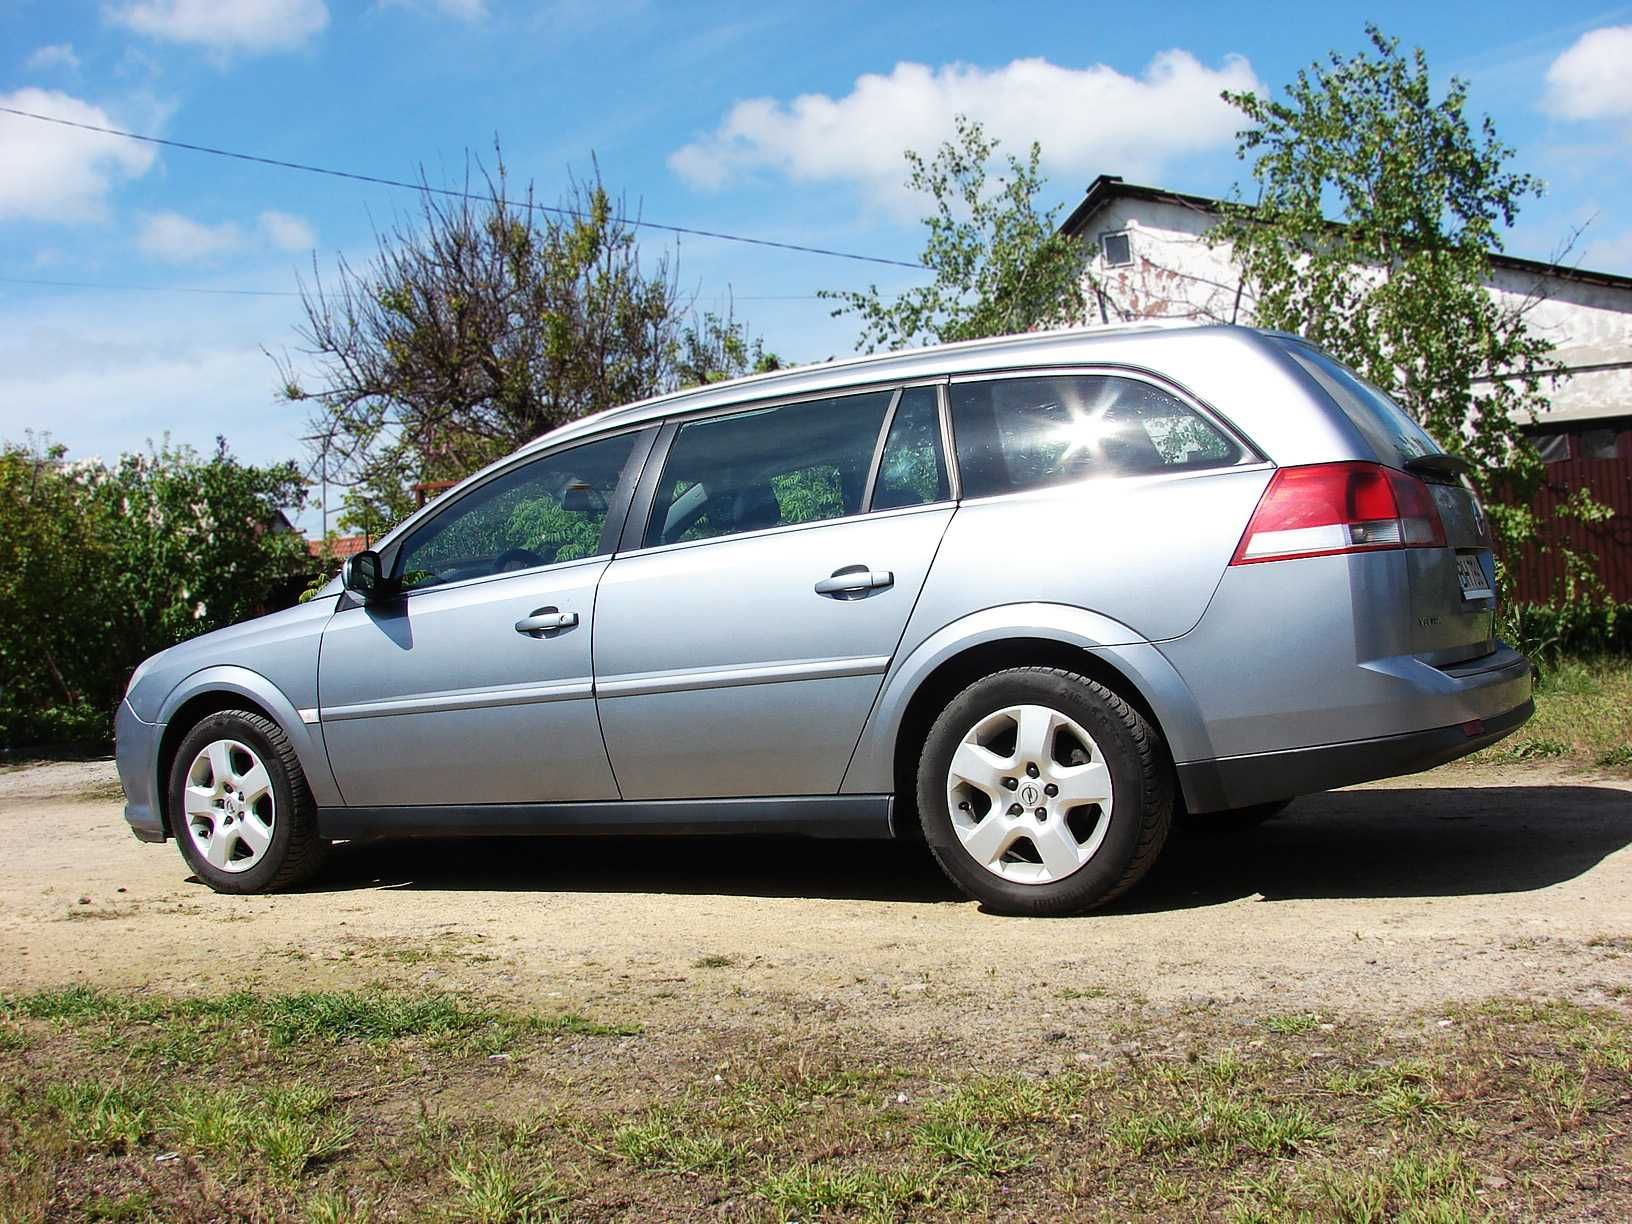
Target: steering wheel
[{"x": 516, "y": 559}]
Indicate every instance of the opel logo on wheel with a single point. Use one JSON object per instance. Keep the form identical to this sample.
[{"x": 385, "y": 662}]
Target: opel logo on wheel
[{"x": 1029, "y": 794}]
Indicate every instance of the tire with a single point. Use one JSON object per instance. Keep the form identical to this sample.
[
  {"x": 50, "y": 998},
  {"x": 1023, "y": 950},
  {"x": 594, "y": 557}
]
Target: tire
[
  {"x": 1234, "y": 820},
  {"x": 240, "y": 830},
  {"x": 1113, "y": 840}
]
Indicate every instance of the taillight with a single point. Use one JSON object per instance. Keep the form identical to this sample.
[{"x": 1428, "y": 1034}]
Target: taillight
[{"x": 1339, "y": 508}]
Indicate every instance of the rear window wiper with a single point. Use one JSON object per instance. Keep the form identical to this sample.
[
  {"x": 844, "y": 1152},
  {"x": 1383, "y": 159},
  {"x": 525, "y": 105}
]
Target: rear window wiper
[{"x": 1446, "y": 467}]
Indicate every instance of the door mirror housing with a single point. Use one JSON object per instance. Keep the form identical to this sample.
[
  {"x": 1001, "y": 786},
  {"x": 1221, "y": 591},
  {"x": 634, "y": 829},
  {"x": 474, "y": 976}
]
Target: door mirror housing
[{"x": 364, "y": 578}]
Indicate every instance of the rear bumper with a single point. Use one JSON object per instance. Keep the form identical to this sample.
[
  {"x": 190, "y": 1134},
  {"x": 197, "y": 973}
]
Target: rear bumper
[
  {"x": 1235, "y": 782},
  {"x": 135, "y": 753}
]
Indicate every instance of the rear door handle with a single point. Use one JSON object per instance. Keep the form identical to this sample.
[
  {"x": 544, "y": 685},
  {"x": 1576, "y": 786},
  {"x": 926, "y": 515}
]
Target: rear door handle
[
  {"x": 854, "y": 580},
  {"x": 544, "y": 620}
]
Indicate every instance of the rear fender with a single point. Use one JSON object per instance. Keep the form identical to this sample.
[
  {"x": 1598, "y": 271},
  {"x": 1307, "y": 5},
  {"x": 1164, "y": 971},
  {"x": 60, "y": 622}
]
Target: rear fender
[{"x": 872, "y": 767}]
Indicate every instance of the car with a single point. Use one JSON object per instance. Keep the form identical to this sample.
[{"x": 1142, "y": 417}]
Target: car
[{"x": 1025, "y": 599}]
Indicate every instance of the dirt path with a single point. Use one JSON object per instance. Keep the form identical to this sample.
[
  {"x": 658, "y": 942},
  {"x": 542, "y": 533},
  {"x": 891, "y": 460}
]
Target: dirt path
[{"x": 1450, "y": 886}]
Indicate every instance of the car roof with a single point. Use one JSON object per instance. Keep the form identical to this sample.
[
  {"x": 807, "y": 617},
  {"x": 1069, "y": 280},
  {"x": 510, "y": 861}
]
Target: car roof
[{"x": 1132, "y": 343}]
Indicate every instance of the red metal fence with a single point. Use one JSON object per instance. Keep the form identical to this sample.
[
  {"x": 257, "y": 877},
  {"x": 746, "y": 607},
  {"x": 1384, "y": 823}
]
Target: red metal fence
[{"x": 1599, "y": 459}]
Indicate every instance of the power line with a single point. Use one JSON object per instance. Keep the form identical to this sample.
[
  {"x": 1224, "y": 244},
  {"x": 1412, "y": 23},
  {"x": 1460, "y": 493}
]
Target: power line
[
  {"x": 447, "y": 191},
  {"x": 127, "y": 288},
  {"x": 63, "y": 284}
]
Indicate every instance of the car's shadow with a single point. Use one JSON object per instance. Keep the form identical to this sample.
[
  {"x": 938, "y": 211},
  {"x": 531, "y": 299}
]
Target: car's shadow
[{"x": 1415, "y": 842}]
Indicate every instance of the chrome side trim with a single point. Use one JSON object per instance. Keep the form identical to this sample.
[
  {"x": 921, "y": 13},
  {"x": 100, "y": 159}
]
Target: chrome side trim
[
  {"x": 464, "y": 699},
  {"x": 308, "y": 716},
  {"x": 686, "y": 678}
]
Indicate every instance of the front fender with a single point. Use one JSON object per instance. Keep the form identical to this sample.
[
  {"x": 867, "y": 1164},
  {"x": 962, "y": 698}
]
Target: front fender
[
  {"x": 872, "y": 767},
  {"x": 306, "y": 738}
]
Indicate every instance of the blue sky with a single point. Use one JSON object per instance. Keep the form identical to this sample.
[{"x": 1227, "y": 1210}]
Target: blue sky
[{"x": 781, "y": 121}]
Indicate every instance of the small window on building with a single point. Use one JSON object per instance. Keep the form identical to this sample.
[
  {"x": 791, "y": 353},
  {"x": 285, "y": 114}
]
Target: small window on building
[
  {"x": 1599, "y": 443},
  {"x": 1116, "y": 248},
  {"x": 1553, "y": 448}
]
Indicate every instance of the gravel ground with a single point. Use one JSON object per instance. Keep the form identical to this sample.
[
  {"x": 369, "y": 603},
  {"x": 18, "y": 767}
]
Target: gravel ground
[{"x": 1455, "y": 885}]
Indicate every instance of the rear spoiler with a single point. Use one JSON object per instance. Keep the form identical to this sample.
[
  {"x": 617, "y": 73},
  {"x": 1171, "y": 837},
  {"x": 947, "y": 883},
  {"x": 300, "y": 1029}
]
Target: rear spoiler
[{"x": 1441, "y": 465}]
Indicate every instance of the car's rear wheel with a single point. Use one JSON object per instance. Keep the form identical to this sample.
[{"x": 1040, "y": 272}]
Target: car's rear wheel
[
  {"x": 1042, "y": 792},
  {"x": 240, "y": 807}
]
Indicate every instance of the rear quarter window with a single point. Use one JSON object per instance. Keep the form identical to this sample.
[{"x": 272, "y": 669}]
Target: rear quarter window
[
  {"x": 1390, "y": 430},
  {"x": 1014, "y": 434}
]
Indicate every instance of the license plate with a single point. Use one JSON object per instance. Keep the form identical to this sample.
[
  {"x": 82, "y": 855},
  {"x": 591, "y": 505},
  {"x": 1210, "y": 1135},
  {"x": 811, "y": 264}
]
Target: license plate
[{"x": 1470, "y": 575}]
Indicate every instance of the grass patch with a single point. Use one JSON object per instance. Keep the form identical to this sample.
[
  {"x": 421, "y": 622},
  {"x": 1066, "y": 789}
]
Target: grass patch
[
  {"x": 805, "y": 1189},
  {"x": 1583, "y": 715},
  {"x": 284, "y": 1130},
  {"x": 502, "y": 1188},
  {"x": 103, "y": 1115},
  {"x": 659, "y": 1141},
  {"x": 379, "y": 1106},
  {"x": 973, "y": 1146},
  {"x": 306, "y": 1018}
]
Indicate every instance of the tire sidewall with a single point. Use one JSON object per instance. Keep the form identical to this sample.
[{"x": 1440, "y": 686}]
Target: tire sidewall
[
  {"x": 231, "y": 725},
  {"x": 1079, "y": 700}
]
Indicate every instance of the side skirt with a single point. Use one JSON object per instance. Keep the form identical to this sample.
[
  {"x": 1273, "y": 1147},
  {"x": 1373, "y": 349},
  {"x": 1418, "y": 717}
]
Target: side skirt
[{"x": 837, "y": 816}]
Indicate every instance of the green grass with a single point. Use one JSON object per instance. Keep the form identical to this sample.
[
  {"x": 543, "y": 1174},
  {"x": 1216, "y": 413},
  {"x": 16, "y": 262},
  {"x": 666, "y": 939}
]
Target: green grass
[
  {"x": 806, "y": 1189},
  {"x": 335, "y": 1108},
  {"x": 659, "y": 1141},
  {"x": 286, "y": 1130},
  {"x": 306, "y": 1018},
  {"x": 1583, "y": 716},
  {"x": 502, "y": 1188},
  {"x": 114, "y": 1114}
]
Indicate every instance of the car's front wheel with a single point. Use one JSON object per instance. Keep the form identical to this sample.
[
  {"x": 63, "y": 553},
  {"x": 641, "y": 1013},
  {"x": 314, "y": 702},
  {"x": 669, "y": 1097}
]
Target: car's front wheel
[
  {"x": 1042, "y": 792},
  {"x": 240, "y": 807}
]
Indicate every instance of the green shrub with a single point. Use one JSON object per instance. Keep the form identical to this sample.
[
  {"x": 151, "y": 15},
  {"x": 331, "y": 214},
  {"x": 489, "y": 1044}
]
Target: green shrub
[
  {"x": 106, "y": 564},
  {"x": 1576, "y": 627}
]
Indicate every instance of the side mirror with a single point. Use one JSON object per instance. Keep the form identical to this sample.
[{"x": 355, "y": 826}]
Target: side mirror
[{"x": 362, "y": 576}]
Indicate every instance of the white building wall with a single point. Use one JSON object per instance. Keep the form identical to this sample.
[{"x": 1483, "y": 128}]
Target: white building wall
[{"x": 1175, "y": 273}]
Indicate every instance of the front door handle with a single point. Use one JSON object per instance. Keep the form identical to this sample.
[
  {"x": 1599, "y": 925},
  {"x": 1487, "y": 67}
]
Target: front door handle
[
  {"x": 546, "y": 620},
  {"x": 854, "y": 580}
]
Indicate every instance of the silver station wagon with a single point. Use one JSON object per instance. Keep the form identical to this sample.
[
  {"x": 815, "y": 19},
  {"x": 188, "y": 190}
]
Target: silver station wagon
[{"x": 1023, "y": 598}]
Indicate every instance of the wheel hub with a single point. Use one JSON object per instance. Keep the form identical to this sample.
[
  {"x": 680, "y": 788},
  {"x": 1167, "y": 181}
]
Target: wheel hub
[
  {"x": 229, "y": 805},
  {"x": 1029, "y": 794}
]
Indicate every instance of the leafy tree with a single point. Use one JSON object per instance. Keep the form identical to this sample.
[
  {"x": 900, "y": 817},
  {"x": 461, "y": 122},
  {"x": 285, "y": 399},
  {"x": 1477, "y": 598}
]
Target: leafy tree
[
  {"x": 998, "y": 262},
  {"x": 1422, "y": 196},
  {"x": 489, "y": 322},
  {"x": 115, "y": 562},
  {"x": 715, "y": 348}
]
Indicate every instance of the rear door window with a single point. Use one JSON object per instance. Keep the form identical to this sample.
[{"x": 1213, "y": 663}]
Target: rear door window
[
  {"x": 912, "y": 471},
  {"x": 1029, "y": 433},
  {"x": 1390, "y": 430}
]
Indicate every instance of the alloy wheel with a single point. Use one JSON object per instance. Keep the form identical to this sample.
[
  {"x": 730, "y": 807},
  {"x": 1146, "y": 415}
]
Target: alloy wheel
[
  {"x": 1030, "y": 794},
  {"x": 229, "y": 805}
]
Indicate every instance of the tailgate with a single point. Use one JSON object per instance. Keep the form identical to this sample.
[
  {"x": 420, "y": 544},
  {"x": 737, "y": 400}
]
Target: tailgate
[{"x": 1453, "y": 589}]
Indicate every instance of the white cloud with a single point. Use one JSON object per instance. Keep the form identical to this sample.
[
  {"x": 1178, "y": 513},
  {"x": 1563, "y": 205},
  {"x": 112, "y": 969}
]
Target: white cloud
[
  {"x": 172, "y": 238},
  {"x": 1087, "y": 120},
  {"x": 467, "y": 10},
  {"x": 1609, "y": 254},
  {"x": 56, "y": 55},
  {"x": 251, "y": 27},
  {"x": 54, "y": 173},
  {"x": 287, "y": 232},
  {"x": 104, "y": 372},
  {"x": 1593, "y": 79}
]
